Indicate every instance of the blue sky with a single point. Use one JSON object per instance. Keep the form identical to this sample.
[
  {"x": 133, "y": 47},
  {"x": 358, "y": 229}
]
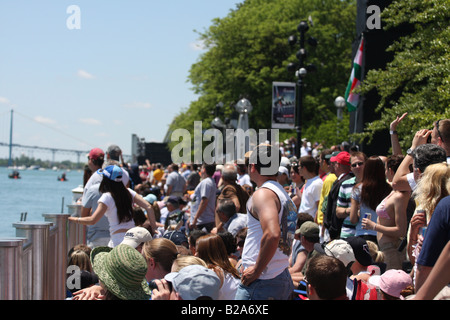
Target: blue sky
[{"x": 123, "y": 72}]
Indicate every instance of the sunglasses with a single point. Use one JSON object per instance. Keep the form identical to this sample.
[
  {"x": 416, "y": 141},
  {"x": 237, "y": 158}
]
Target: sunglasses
[
  {"x": 438, "y": 131},
  {"x": 357, "y": 164}
]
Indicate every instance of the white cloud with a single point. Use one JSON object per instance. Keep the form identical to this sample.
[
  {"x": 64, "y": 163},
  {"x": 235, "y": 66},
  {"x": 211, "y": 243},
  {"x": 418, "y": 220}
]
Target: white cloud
[
  {"x": 4, "y": 100},
  {"x": 44, "y": 120},
  {"x": 90, "y": 121},
  {"x": 138, "y": 105},
  {"x": 84, "y": 74},
  {"x": 198, "y": 45}
]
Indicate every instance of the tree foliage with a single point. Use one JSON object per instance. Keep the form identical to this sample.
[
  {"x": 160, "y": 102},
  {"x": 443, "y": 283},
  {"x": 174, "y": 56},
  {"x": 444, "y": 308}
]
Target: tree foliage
[
  {"x": 248, "y": 50},
  {"x": 417, "y": 80}
]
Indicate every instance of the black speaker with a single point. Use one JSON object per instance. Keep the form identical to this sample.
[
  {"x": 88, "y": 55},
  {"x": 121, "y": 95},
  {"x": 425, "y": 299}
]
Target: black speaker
[{"x": 156, "y": 153}]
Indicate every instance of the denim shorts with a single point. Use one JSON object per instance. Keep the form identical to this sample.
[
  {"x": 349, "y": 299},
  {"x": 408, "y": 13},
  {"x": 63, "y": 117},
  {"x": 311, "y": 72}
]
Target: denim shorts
[{"x": 278, "y": 288}]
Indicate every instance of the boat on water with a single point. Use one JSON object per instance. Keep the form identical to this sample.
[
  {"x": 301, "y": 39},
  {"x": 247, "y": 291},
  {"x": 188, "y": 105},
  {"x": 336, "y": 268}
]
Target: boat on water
[
  {"x": 14, "y": 175},
  {"x": 62, "y": 177}
]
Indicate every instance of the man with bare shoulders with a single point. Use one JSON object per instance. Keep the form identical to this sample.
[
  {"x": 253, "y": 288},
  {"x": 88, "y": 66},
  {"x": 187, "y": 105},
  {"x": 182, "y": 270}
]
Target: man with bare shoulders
[{"x": 271, "y": 226}]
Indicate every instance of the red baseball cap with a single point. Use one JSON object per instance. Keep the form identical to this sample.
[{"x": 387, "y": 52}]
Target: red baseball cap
[
  {"x": 342, "y": 158},
  {"x": 96, "y": 153}
]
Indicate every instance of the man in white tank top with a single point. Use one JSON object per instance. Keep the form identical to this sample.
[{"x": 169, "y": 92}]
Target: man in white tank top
[{"x": 271, "y": 226}]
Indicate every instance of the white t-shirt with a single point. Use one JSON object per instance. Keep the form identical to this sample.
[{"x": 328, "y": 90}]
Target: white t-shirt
[
  {"x": 244, "y": 179},
  {"x": 311, "y": 196},
  {"x": 111, "y": 213},
  {"x": 229, "y": 287}
]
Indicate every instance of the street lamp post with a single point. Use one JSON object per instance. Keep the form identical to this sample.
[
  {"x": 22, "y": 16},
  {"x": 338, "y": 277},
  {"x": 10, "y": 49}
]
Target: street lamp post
[
  {"x": 300, "y": 72},
  {"x": 339, "y": 103},
  {"x": 243, "y": 107}
]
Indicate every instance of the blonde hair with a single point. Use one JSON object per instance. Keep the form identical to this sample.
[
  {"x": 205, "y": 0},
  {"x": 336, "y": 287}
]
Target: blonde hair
[
  {"x": 432, "y": 187},
  {"x": 377, "y": 255},
  {"x": 184, "y": 261},
  {"x": 162, "y": 251}
]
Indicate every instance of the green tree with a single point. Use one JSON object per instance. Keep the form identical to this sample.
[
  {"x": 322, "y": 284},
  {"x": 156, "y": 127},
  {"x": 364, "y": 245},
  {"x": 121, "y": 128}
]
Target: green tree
[
  {"x": 248, "y": 50},
  {"x": 417, "y": 80}
]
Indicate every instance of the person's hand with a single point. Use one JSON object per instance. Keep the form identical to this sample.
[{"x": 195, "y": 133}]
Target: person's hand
[
  {"x": 95, "y": 292},
  {"x": 420, "y": 138},
  {"x": 395, "y": 123},
  {"x": 418, "y": 220},
  {"x": 367, "y": 224},
  {"x": 249, "y": 275},
  {"x": 163, "y": 291}
]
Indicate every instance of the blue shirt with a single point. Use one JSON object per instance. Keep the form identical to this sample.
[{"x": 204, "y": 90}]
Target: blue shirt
[{"x": 438, "y": 234}]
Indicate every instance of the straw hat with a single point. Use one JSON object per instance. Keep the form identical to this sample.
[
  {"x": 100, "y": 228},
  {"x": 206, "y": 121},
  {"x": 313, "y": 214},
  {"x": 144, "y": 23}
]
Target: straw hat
[{"x": 122, "y": 270}]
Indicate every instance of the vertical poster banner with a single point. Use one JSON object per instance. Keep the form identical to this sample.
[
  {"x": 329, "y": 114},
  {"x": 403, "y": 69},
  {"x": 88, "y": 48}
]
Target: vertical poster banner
[{"x": 283, "y": 105}]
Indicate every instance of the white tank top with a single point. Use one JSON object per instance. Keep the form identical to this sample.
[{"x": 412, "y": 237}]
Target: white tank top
[{"x": 287, "y": 217}]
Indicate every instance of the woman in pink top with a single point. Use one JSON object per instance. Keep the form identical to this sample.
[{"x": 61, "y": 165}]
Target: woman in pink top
[{"x": 391, "y": 225}]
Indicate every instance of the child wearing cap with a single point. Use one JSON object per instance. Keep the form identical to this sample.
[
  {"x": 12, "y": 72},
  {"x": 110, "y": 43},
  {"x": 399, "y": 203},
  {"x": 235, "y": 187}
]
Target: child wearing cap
[{"x": 392, "y": 284}]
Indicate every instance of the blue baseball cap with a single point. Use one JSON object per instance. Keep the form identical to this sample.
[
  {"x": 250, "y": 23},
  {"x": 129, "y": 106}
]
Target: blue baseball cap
[{"x": 114, "y": 173}]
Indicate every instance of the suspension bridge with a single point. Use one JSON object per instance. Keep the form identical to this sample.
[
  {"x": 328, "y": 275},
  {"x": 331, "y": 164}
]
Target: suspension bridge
[{"x": 78, "y": 153}]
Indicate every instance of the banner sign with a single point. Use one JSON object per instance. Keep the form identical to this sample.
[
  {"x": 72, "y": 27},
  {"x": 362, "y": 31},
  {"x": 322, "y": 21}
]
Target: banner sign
[{"x": 283, "y": 105}]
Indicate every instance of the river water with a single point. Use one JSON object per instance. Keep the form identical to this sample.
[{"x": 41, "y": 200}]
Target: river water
[{"x": 37, "y": 192}]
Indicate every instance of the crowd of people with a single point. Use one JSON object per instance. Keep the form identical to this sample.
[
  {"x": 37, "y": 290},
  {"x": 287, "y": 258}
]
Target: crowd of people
[{"x": 331, "y": 224}]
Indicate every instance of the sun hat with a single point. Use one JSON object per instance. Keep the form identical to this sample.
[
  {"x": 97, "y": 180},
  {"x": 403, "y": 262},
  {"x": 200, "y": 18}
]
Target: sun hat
[
  {"x": 195, "y": 281},
  {"x": 114, "y": 173},
  {"x": 96, "y": 153},
  {"x": 342, "y": 158},
  {"x": 135, "y": 236},
  {"x": 361, "y": 250},
  {"x": 340, "y": 249},
  {"x": 122, "y": 270},
  {"x": 392, "y": 282},
  {"x": 308, "y": 229}
]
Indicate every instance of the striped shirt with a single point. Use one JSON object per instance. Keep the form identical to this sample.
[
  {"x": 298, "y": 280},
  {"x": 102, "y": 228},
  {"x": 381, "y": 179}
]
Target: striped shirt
[{"x": 344, "y": 201}]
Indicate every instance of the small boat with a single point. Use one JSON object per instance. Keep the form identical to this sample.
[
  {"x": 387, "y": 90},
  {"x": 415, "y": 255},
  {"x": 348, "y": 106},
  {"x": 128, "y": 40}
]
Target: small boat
[
  {"x": 14, "y": 175},
  {"x": 62, "y": 178}
]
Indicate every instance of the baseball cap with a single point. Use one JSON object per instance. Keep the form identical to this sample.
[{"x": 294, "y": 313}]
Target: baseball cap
[
  {"x": 96, "y": 153},
  {"x": 135, "y": 236},
  {"x": 342, "y": 157},
  {"x": 334, "y": 154},
  {"x": 176, "y": 237},
  {"x": 195, "y": 281},
  {"x": 361, "y": 250},
  {"x": 392, "y": 282},
  {"x": 172, "y": 199},
  {"x": 114, "y": 173},
  {"x": 284, "y": 170},
  {"x": 308, "y": 229},
  {"x": 150, "y": 198},
  {"x": 340, "y": 249}
]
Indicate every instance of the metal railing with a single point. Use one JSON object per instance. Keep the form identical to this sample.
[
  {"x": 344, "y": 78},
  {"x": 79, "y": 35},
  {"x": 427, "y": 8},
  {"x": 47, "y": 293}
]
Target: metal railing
[{"x": 33, "y": 264}]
